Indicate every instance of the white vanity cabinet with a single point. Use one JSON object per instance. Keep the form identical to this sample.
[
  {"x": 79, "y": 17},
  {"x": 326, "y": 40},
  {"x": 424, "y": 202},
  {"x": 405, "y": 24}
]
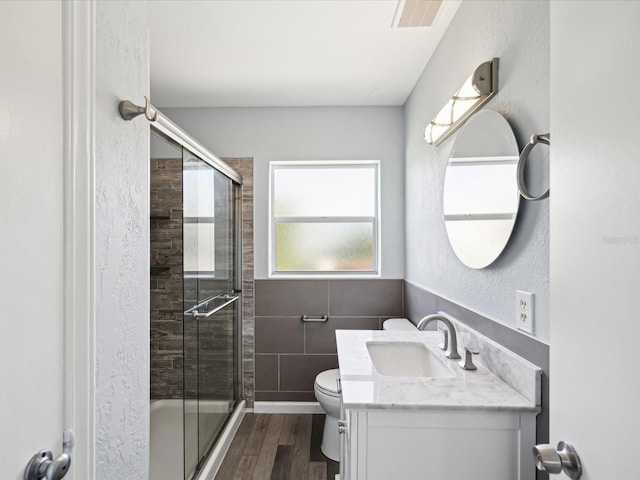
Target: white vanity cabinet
[
  {"x": 438, "y": 444},
  {"x": 444, "y": 423}
]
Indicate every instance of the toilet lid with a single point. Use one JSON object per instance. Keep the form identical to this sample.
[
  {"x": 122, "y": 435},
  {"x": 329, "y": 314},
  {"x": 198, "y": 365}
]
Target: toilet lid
[{"x": 326, "y": 382}]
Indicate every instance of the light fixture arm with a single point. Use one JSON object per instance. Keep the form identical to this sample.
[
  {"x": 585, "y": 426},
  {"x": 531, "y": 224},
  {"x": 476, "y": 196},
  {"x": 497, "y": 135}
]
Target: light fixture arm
[{"x": 485, "y": 78}]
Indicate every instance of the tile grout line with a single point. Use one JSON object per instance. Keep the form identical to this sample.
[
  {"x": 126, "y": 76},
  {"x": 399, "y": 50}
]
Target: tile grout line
[
  {"x": 278, "y": 373},
  {"x": 328, "y": 297}
]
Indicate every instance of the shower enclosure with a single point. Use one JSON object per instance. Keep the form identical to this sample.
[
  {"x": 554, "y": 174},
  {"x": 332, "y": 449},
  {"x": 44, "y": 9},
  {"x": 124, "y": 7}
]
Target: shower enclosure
[{"x": 195, "y": 303}]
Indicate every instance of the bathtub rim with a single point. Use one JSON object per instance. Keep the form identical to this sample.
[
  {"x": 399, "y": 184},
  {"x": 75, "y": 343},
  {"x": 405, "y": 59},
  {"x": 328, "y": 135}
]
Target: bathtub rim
[{"x": 221, "y": 447}]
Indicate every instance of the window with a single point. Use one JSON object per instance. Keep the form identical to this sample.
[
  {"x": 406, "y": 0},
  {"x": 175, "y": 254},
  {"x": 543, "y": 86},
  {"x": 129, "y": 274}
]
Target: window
[{"x": 324, "y": 218}]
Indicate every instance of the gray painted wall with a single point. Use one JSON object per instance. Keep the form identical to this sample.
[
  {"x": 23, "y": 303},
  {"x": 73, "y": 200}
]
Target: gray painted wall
[
  {"x": 315, "y": 133},
  {"x": 517, "y": 33}
]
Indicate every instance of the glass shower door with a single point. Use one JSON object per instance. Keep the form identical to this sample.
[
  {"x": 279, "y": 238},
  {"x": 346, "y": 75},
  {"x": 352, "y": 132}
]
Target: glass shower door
[{"x": 211, "y": 307}]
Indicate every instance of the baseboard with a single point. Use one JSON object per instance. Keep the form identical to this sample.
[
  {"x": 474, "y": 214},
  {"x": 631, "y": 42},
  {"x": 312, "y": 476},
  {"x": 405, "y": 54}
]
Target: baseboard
[{"x": 287, "y": 407}]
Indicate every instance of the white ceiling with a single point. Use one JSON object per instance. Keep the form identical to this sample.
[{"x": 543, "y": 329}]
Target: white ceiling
[{"x": 240, "y": 53}]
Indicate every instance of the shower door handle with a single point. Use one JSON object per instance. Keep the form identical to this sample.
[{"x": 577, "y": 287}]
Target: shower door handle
[{"x": 229, "y": 299}]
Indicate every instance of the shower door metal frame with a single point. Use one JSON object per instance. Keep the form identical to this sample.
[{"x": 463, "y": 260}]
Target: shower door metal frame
[
  {"x": 175, "y": 133},
  {"x": 165, "y": 127},
  {"x": 238, "y": 288}
]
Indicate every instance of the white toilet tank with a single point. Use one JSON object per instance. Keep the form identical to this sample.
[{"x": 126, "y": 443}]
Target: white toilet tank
[{"x": 398, "y": 324}]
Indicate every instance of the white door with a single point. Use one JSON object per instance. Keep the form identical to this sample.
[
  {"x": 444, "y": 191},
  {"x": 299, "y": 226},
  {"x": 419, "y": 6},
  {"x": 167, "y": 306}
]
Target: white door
[
  {"x": 31, "y": 219},
  {"x": 595, "y": 234}
]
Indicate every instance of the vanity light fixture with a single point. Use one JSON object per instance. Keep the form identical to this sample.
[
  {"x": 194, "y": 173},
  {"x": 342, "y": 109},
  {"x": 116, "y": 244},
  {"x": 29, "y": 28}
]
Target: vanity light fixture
[{"x": 470, "y": 97}]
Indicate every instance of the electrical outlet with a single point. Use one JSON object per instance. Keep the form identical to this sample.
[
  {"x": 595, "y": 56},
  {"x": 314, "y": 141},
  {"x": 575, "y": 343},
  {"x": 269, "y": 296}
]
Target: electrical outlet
[{"x": 525, "y": 311}]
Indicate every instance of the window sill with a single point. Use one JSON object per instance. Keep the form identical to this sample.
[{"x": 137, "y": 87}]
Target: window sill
[{"x": 323, "y": 276}]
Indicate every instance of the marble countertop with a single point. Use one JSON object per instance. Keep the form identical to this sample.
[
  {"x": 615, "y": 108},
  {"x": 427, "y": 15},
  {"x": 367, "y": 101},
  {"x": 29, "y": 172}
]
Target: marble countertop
[{"x": 364, "y": 387}]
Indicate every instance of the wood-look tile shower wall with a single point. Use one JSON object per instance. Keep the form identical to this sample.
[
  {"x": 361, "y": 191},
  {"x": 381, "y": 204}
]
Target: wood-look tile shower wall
[
  {"x": 167, "y": 356},
  {"x": 166, "y": 279}
]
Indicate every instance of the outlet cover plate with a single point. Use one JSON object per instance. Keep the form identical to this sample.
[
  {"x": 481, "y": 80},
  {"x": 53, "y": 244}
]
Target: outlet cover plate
[{"x": 525, "y": 311}]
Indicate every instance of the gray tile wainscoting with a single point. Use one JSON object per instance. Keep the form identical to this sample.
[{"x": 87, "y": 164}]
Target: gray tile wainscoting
[
  {"x": 290, "y": 352},
  {"x": 419, "y": 302}
]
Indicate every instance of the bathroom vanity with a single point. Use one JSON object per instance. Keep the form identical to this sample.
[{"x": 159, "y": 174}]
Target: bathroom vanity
[{"x": 427, "y": 418}]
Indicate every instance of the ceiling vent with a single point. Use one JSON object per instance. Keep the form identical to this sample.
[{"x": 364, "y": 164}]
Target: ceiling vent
[{"x": 416, "y": 13}]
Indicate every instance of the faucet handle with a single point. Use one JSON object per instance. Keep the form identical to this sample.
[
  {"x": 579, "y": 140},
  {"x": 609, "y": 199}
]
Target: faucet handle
[
  {"x": 445, "y": 340},
  {"x": 467, "y": 363}
]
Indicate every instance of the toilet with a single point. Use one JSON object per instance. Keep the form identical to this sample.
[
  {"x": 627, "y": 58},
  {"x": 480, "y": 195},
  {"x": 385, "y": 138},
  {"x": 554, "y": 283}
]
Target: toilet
[{"x": 326, "y": 390}]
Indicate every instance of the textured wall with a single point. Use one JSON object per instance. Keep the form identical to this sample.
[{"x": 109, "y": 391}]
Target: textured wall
[
  {"x": 122, "y": 245},
  {"x": 517, "y": 33},
  {"x": 314, "y": 133}
]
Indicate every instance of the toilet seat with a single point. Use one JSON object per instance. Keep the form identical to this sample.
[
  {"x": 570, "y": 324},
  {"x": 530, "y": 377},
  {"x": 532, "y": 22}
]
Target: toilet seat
[{"x": 326, "y": 382}]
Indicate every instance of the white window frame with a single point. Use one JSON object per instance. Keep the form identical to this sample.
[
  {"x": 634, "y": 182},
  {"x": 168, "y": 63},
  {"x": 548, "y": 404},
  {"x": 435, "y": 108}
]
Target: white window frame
[{"x": 375, "y": 221}]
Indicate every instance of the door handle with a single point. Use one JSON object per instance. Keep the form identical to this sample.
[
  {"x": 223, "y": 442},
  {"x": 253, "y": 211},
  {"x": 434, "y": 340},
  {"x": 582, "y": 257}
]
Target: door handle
[
  {"x": 564, "y": 458},
  {"x": 43, "y": 465}
]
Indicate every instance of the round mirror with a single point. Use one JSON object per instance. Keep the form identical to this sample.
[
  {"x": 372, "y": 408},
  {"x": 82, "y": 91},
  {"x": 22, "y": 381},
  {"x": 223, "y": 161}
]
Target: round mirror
[{"x": 481, "y": 196}]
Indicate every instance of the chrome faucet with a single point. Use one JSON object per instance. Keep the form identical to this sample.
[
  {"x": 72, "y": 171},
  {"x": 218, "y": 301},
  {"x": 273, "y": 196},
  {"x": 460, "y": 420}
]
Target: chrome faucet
[{"x": 452, "y": 347}]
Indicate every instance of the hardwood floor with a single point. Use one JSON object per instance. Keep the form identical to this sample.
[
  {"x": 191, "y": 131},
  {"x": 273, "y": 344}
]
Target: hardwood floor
[{"x": 278, "y": 447}]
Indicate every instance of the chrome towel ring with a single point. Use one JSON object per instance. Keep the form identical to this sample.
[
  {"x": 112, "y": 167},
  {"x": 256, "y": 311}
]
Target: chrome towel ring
[{"x": 522, "y": 161}]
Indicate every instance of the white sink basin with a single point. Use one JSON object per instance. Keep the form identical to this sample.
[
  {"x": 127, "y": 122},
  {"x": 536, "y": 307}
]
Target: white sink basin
[{"x": 406, "y": 359}]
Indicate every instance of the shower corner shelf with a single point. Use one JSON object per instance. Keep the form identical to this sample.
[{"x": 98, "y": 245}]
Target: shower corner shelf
[{"x": 158, "y": 270}]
